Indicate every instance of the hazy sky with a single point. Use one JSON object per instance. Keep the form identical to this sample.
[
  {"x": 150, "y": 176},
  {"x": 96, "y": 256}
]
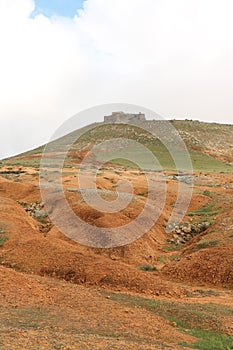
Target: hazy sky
[{"x": 59, "y": 57}]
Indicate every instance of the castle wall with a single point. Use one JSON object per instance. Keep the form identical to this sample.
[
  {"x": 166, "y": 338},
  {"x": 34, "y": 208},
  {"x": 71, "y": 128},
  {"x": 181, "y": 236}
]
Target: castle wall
[{"x": 121, "y": 117}]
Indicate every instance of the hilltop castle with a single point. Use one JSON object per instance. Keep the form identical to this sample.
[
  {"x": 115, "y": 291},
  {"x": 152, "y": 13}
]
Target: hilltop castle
[{"x": 121, "y": 117}]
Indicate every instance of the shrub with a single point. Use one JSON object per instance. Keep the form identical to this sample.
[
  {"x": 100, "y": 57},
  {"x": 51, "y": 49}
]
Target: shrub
[{"x": 148, "y": 268}]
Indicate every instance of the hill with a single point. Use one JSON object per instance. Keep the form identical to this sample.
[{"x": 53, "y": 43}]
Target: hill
[
  {"x": 210, "y": 144},
  {"x": 164, "y": 290}
]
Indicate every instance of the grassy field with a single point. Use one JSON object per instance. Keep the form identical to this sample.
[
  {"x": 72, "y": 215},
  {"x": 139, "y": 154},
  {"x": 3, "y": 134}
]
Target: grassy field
[{"x": 200, "y": 161}]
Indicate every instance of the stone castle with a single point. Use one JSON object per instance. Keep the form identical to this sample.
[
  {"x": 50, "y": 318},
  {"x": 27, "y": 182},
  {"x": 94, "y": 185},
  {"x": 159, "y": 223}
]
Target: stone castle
[{"x": 121, "y": 117}]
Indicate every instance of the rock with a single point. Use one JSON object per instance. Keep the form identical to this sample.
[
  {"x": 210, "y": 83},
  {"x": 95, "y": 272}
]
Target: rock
[
  {"x": 40, "y": 214},
  {"x": 178, "y": 231},
  {"x": 36, "y": 210},
  {"x": 187, "y": 229},
  {"x": 183, "y": 232}
]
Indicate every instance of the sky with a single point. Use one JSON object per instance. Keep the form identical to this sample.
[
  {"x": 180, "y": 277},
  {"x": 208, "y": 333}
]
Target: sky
[
  {"x": 59, "y": 57},
  {"x": 64, "y": 8}
]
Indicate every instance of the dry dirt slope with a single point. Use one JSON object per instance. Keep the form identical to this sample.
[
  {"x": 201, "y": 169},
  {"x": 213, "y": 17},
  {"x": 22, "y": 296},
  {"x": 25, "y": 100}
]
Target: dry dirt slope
[
  {"x": 33, "y": 306},
  {"x": 57, "y": 294},
  {"x": 43, "y": 313}
]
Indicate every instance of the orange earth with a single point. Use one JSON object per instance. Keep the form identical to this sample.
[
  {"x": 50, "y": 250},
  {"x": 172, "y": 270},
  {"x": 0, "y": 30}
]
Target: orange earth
[{"x": 58, "y": 294}]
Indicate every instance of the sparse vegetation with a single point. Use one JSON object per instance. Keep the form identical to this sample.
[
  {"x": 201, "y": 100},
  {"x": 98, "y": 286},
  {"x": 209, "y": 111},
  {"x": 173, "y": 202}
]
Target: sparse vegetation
[
  {"x": 3, "y": 239},
  {"x": 208, "y": 193},
  {"x": 162, "y": 259},
  {"x": 207, "y": 243},
  {"x": 202, "y": 321},
  {"x": 210, "y": 340},
  {"x": 206, "y": 211},
  {"x": 1, "y": 229},
  {"x": 173, "y": 247},
  {"x": 174, "y": 257},
  {"x": 148, "y": 268},
  {"x": 144, "y": 193}
]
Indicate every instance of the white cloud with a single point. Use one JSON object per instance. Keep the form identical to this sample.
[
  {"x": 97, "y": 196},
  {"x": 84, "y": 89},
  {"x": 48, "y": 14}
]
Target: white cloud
[{"x": 172, "y": 56}]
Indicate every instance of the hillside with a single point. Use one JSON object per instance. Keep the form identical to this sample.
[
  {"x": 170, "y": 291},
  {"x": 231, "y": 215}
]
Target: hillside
[
  {"x": 165, "y": 290},
  {"x": 210, "y": 144}
]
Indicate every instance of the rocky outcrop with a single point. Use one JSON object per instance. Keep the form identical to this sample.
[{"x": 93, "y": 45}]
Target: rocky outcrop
[
  {"x": 37, "y": 211},
  {"x": 183, "y": 232}
]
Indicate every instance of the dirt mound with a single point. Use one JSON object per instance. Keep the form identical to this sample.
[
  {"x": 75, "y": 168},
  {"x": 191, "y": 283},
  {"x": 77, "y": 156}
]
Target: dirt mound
[
  {"x": 56, "y": 258},
  {"x": 55, "y": 255},
  {"x": 212, "y": 266},
  {"x": 17, "y": 288},
  {"x": 16, "y": 224},
  {"x": 29, "y": 251},
  {"x": 19, "y": 191}
]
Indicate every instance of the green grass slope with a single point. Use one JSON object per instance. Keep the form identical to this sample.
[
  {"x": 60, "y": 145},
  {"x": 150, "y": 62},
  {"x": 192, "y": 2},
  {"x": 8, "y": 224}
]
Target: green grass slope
[{"x": 210, "y": 145}]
